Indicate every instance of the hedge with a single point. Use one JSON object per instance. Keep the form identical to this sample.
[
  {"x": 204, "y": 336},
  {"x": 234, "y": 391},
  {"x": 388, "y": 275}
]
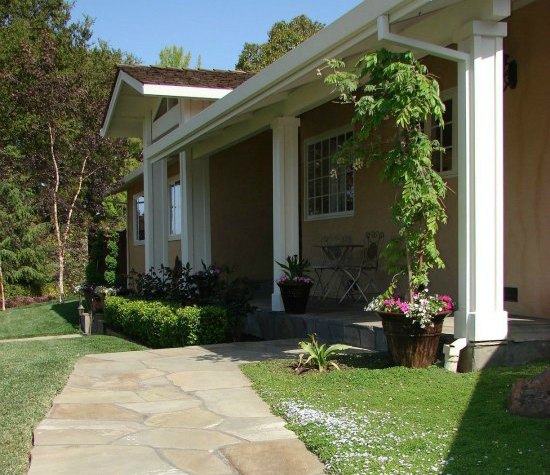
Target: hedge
[{"x": 162, "y": 325}]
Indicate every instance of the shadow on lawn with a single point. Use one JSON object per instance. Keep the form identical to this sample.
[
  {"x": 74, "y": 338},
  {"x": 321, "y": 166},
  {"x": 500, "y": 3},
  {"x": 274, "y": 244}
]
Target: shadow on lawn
[
  {"x": 68, "y": 311},
  {"x": 491, "y": 441}
]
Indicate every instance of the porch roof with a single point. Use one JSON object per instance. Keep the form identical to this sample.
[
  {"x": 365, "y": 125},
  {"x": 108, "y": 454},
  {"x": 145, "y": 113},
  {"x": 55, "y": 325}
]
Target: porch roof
[{"x": 291, "y": 85}]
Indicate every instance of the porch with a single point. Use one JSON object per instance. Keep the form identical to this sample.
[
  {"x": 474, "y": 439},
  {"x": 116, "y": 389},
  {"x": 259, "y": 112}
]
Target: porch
[{"x": 348, "y": 323}]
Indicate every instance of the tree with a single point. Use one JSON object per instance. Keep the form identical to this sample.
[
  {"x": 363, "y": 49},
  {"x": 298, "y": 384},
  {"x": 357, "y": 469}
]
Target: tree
[
  {"x": 282, "y": 37},
  {"x": 24, "y": 243},
  {"x": 395, "y": 91},
  {"x": 176, "y": 57},
  {"x": 54, "y": 89}
]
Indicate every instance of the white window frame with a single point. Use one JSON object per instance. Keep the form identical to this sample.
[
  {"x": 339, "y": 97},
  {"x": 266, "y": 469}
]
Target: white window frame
[
  {"x": 138, "y": 242},
  {"x": 171, "y": 182},
  {"x": 312, "y": 140},
  {"x": 449, "y": 94}
]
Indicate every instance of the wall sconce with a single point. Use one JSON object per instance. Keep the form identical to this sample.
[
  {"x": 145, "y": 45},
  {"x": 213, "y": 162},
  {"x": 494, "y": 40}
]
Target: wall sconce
[{"x": 510, "y": 72}]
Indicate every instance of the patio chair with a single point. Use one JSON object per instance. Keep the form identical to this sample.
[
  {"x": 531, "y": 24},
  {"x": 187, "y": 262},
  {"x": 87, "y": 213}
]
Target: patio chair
[
  {"x": 367, "y": 268},
  {"x": 331, "y": 262}
]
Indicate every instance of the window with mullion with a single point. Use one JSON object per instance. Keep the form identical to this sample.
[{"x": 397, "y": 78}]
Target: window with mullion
[
  {"x": 328, "y": 195},
  {"x": 139, "y": 218},
  {"x": 175, "y": 208}
]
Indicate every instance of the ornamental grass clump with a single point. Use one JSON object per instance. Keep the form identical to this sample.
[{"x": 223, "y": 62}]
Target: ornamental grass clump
[
  {"x": 393, "y": 96},
  {"x": 319, "y": 355}
]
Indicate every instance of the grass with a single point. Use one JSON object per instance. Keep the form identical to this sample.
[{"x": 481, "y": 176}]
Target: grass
[
  {"x": 375, "y": 419},
  {"x": 31, "y": 374},
  {"x": 51, "y": 318}
]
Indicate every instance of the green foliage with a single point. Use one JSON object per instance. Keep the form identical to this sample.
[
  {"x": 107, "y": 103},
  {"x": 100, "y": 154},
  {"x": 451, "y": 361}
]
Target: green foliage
[
  {"x": 111, "y": 260},
  {"x": 399, "y": 95},
  {"x": 319, "y": 355},
  {"x": 161, "y": 325},
  {"x": 295, "y": 267},
  {"x": 24, "y": 242},
  {"x": 282, "y": 37},
  {"x": 370, "y": 418},
  {"x": 174, "y": 56},
  {"x": 54, "y": 87}
]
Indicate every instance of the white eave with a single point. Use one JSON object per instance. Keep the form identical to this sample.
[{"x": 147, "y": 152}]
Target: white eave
[
  {"x": 131, "y": 99},
  {"x": 129, "y": 179}
]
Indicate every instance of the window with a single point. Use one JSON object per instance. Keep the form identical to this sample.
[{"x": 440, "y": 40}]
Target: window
[
  {"x": 445, "y": 162},
  {"x": 326, "y": 195},
  {"x": 175, "y": 208},
  {"x": 165, "y": 105},
  {"x": 139, "y": 218}
]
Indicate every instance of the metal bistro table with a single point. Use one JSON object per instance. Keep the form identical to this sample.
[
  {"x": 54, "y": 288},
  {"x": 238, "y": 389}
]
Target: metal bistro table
[{"x": 336, "y": 255}]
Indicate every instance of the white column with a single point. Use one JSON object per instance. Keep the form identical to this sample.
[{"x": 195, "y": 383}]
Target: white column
[
  {"x": 148, "y": 196},
  {"x": 481, "y": 316},
  {"x": 161, "y": 211},
  {"x": 195, "y": 210},
  {"x": 186, "y": 182},
  {"x": 201, "y": 212},
  {"x": 148, "y": 214},
  {"x": 286, "y": 199}
]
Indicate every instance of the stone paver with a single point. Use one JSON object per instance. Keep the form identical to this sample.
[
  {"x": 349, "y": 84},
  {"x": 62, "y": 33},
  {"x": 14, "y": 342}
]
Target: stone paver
[
  {"x": 42, "y": 338},
  {"x": 171, "y": 411}
]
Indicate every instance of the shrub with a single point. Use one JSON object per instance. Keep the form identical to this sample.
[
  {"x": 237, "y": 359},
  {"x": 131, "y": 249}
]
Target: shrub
[
  {"x": 211, "y": 286},
  {"x": 158, "y": 324},
  {"x": 21, "y": 301}
]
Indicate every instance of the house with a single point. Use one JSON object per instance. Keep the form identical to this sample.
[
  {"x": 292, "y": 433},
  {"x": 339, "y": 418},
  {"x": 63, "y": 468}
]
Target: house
[{"x": 241, "y": 178}]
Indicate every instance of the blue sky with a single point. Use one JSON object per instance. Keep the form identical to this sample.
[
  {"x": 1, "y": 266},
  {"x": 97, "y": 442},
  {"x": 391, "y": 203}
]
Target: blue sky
[{"x": 215, "y": 29}]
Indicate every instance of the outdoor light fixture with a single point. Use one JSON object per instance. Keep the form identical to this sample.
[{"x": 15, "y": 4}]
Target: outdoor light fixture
[{"x": 510, "y": 72}]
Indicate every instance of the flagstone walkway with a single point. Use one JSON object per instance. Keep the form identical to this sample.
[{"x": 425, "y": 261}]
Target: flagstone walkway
[{"x": 171, "y": 411}]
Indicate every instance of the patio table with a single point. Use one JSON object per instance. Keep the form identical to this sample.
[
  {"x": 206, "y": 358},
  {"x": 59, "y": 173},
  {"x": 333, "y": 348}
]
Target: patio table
[{"x": 336, "y": 255}]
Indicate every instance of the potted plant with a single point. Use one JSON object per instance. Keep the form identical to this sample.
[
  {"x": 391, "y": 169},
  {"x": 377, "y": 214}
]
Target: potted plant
[
  {"x": 295, "y": 284},
  {"x": 395, "y": 92},
  {"x": 98, "y": 298}
]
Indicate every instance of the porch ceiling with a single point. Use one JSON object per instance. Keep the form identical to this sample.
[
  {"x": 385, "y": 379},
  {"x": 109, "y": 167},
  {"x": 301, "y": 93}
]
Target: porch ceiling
[{"x": 292, "y": 85}]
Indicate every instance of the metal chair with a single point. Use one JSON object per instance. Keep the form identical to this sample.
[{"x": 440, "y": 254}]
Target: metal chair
[
  {"x": 331, "y": 258},
  {"x": 368, "y": 266}
]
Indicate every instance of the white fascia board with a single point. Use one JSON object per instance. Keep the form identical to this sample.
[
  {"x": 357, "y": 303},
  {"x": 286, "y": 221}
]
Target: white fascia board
[
  {"x": 128, "y": 179},
  {"x": 121, "y": 78},
  {"x": 157, "y": 90},
  {"x": 162, "y": 90},
  {"x": 356, "y": 25}
]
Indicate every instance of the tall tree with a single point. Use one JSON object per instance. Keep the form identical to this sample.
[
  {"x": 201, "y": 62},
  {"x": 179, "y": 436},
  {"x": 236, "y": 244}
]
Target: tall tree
[
  {"x": 174, "y": 56},
  {"x": 282, "y": 37},
  {"x": 24, "y": 243},
  {"x": 55, "y": 88}
]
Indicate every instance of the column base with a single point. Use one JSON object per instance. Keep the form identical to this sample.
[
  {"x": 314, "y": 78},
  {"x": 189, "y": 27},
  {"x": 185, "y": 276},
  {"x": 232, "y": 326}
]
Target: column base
[
  {"x": 481, "y": 326},
  {"x": 277, "y": 302}
]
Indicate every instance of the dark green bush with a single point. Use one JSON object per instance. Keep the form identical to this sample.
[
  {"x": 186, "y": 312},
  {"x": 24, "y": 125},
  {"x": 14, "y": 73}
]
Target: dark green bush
[{"x": 162, "y": 325}]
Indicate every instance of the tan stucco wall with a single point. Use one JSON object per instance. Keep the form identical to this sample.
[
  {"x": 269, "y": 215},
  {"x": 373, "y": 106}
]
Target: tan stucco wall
[
  {"x": 241, "y": 208},
  {"x": 136, "y": 253},
  {"x": 372, "y": 207},
  {"x": 527, "y": 161}
]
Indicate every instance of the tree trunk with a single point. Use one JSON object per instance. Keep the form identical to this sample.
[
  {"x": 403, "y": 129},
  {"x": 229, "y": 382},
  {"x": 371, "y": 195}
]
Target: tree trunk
[
  {"x": 60, "y": 276},
  {"x": 2, "y": 296}
]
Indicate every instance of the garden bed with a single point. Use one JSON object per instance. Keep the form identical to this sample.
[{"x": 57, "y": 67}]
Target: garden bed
[{"x": 381, "y": 419}]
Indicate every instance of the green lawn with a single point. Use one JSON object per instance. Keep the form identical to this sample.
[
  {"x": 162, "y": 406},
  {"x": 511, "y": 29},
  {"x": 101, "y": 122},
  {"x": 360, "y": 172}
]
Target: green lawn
[
  {"x": 31, "y": 374},
  {"x": 375, "y": 419},
  {"x": 51, "y": 318}
]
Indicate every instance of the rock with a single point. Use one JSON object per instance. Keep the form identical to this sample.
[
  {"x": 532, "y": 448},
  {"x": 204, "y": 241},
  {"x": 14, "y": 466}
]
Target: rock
[{"x": 531, "y": 397}]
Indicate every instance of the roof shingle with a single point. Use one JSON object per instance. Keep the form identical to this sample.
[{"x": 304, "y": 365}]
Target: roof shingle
[{"x": 213, "y": 79}]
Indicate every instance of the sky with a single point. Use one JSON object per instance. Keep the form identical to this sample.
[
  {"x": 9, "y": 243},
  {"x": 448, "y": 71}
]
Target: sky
[{"x": 215, "y": 29}]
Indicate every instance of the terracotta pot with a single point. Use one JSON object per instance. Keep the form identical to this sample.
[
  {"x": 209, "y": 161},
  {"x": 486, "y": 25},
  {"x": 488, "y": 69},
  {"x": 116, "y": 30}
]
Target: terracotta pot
[
  {"x": 295, "y": 296},
  {"x": 408, "y": 343}
]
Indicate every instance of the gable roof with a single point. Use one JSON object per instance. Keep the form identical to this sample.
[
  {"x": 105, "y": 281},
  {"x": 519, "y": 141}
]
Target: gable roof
[{"x": 208, "y": 78}]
